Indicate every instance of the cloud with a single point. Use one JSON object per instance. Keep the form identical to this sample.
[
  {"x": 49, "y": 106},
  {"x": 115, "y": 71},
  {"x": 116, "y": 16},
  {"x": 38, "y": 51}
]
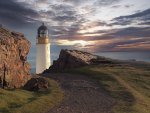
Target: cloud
[
  {"x": 124, "y": 33},
  {"x": 76, "y": 2},
  {"x": 139, "y": 44},
  {"x": 79, "y": 23},
  {"x": 133, "y": 31},
  {"x": 129, "y": 6},
  {"x": 65, "y": 18},
  {"x": 16, "y": 14},
  {"x": 144, "y": 23},
  {"x": 120, "y": 6},
  {"x": 117, "y": 44},
  {"x": 144, "y": 14},
  {"x": 134, "y": 18},
  {"x": 132, "y": 39},
  {"x": 116, "y": 6},
  {"x": 106, "y": 2},
  {"x": 94, "y": 24},
  {"x": 134, "y": 46},
  {"x": 119, "y": 39}
]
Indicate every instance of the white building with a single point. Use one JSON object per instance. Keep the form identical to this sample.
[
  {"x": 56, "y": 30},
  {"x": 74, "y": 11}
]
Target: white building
[{"x": 43, "y": 61}]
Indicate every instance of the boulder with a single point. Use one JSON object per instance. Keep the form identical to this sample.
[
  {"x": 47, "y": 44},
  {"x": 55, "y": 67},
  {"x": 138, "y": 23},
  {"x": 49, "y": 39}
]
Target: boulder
[
  {"x": 69, "y": 59},
  {"x": 37, "y": 84},
  {"x": 14, "y": 68}
]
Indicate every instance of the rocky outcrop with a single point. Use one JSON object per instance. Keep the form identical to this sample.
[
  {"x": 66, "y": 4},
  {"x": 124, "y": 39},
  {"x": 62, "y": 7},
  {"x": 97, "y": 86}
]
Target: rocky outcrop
[
  {"x": 14, "y": 68},
  {"x": 37, "y": 84},
  {"x": 69, "y": 59}
]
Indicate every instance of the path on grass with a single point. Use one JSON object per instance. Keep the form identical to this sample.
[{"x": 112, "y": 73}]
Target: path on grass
[
  {"x": 82, "y": 95},
  {"x": 134, "y": 92}
]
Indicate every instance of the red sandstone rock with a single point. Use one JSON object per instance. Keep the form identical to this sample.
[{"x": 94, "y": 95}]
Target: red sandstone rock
[{"x": 14, "y": 68}]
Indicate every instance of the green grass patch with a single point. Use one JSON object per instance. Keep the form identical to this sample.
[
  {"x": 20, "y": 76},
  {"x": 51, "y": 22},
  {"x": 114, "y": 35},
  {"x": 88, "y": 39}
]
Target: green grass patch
[
  {"x": 22, "y": 101},
  {"x": 129, "y": 86}
]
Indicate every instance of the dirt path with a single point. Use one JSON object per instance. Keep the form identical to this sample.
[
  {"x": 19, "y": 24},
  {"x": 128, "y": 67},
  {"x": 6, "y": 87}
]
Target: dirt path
[
  {"x": 136, "y": 94},
  {"x": 82, "y": 95}
]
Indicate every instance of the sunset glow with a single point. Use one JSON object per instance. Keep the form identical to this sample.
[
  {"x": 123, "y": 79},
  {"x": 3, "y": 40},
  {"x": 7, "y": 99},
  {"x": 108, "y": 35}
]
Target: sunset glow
[
  {"x": 102, "y": 25},
  {"x": 81, "y": 43}
]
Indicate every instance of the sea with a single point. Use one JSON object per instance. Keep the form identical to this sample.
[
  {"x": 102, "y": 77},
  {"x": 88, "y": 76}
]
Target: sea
[{"x": 138, "y": 56}]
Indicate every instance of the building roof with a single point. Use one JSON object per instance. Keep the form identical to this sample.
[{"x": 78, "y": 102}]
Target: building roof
[{"x": 43, "y": 28}]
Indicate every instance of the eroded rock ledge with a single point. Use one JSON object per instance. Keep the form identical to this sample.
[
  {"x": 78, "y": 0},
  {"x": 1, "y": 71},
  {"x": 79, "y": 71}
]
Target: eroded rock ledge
[
  {"x": 14, "y": 68},
  {"x": 69, "y": 59}
]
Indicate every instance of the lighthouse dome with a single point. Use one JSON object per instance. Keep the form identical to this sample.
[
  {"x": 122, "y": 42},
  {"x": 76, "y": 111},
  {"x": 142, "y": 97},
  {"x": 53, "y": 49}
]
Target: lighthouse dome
[
  {"x": 42, "y": 31},
  {"x": 42, "y": 27}
]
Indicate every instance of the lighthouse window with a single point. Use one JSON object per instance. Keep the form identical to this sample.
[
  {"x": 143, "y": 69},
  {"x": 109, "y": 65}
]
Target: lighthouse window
[{"x": 43, "y": 33}]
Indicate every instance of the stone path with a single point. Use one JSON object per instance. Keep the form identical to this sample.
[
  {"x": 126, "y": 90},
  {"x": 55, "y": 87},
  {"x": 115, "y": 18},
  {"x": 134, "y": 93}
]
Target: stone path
[{"x": 82, "y": 95}]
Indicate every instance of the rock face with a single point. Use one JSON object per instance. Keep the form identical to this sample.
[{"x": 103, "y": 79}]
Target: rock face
[
  {"x": 37, "y": 84},
  {"x": 14, "y": 68},
  {"x": 69, "y": 59}
]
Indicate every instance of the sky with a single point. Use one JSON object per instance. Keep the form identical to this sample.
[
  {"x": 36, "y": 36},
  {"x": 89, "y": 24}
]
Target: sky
[{"x": 89, "y": 25}]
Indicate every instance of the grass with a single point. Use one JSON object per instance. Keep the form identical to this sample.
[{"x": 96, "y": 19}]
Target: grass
[
  {"x": 129, "y": 86},
  {"x": 22, "y": 101}
]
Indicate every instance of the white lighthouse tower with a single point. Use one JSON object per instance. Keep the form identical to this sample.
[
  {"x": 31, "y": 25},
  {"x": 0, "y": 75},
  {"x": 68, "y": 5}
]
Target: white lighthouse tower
[{"x": 43, "y": 61}]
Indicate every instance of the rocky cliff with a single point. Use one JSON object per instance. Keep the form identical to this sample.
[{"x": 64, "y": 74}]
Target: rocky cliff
[
  {"x": 69, "y": 59},
  {"x": 14, "y": 68}
]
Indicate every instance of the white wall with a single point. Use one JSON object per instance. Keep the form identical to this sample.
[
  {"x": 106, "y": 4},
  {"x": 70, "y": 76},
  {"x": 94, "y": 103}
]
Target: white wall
[{"x": 42, "y": 57}]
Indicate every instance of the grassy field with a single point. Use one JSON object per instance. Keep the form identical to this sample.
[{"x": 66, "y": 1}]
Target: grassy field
[
  {"x": 129, "y": 85},
  {"x": 21, "y": 101}
]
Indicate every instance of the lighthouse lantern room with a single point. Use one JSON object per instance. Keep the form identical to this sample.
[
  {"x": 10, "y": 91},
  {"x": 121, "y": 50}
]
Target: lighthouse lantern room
[{"x": 43, "y": 61}]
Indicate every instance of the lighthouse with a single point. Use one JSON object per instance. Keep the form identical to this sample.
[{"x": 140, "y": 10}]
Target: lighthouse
[{"x": 43, "y": 61}]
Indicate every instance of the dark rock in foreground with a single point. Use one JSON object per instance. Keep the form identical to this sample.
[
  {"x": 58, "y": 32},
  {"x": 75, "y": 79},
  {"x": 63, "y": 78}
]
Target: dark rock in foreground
[
  {"x": 14, "y": 68},
  {"x": 37, "y": 84},
  {"x": 69, "y": 59}
]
